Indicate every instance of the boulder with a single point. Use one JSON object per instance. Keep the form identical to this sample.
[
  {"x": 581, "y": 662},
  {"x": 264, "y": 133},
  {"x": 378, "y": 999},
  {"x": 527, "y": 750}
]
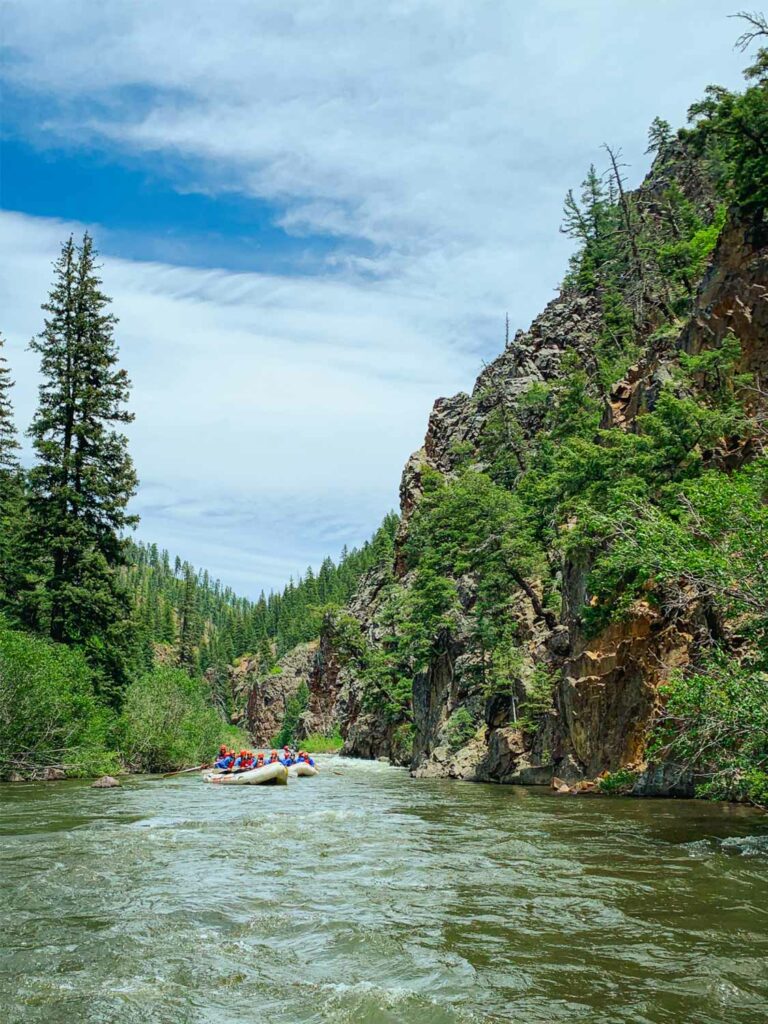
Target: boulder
[
  {"x": 54, "y": 774},
  {"x": 105, "y": 782}
]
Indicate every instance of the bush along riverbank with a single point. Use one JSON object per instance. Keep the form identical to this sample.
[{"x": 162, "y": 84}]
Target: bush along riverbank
[{"x": 53, "y": 725}]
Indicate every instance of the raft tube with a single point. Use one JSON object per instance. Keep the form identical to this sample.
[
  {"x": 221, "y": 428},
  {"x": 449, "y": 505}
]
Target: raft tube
[
  {"x": 302, "y": 768},
  {"x": 269, "y": 775}
]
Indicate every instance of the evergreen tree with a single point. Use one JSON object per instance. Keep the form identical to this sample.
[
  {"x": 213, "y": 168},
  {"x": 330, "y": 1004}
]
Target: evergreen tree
[
  {"x": 84, "y": 477},
  {"x": 12, "y": 499},
  {"x": 188, "y": 628},
  {"x": 9, "y": 443}
]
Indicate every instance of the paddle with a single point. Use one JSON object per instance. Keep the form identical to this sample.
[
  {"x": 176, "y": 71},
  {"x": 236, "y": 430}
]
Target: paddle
[{"x": 183, "y": 771}]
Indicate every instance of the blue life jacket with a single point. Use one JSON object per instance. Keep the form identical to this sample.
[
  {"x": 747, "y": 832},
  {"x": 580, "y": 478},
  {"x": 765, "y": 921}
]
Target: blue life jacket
[
  {"x": 307, "y": 760},
  {"x": 223, "y": 762},
  {"x": 287, "y": 761}
]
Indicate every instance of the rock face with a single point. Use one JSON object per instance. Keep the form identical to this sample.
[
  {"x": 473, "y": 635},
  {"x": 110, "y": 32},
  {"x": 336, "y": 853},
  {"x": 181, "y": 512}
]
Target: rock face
[
  {"x": 607, "y": 692},
  {"x": 263, "y": 697}
]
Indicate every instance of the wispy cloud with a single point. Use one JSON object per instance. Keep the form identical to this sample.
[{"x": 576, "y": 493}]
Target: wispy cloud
[
  {"x": 432, "y": 140},
  {"x": 271, "y": 412}
]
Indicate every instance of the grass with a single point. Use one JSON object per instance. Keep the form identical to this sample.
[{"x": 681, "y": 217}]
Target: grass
[{"x": 317, "y": 743}]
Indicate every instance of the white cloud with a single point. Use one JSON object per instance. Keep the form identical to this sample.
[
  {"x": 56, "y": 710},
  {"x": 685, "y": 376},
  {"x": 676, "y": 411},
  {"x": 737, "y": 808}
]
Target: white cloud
[
  {"x": 273, "y": 414},
  {"x": 440, "y": 133}
]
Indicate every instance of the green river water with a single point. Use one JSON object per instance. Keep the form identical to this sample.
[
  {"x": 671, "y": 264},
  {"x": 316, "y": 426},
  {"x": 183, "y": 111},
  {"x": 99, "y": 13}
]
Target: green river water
[{"x": 366, "y": 897}]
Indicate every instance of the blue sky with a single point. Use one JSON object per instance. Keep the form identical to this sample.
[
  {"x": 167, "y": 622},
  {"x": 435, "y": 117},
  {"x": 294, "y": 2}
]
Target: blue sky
[{"x": 313, "y": 216}]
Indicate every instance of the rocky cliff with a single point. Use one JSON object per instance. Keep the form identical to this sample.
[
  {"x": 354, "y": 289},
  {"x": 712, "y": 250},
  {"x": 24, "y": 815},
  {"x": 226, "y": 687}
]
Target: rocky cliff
[{"x": 604, "y": 692}]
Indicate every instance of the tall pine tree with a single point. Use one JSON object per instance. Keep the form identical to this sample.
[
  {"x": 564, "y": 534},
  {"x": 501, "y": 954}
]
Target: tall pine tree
[
  {"x": 9, "y": 443},
  {"x": 190, "y": 623},
  {"x": 12, "y": 500},
  {"x": 84, "y": 477}
]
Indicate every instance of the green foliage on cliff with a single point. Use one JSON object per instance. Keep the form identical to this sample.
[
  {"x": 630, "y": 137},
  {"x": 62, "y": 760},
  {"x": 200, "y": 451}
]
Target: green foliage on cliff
[
  {"x": 705, "y": 537},
  {"x": 715, "y": 723},
  {"x": 729, "y": 129},
  {"x": 656, "y": 507},
  {"x": 460, "y": 728}
]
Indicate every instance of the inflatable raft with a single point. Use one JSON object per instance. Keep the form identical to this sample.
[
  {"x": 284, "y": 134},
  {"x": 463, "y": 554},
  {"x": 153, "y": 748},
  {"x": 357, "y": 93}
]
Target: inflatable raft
[
  {"x": 302, "y": 768},
  {"x": 269, "y": 775}
]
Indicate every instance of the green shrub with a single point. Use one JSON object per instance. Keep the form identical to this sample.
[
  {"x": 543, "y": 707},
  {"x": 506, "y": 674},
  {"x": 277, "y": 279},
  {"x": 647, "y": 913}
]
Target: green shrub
[
  {"x": 401, "y": 744},
  {"x": 617, "y": 783},
  {"x": 294, "y": 709},
  {"x": 539, "y": 690},
  {"x": 49, "y": 713},
  {"x": 168, "y": 722},
  {"x": 715, "y": 722},
  {"x": 319, "y": 743},
  {"x": 459, "y": 729}
]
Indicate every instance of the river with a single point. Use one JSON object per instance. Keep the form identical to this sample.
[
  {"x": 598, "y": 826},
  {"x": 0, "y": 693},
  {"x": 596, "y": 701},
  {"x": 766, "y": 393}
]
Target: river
[{"x": 363, "y": 896}]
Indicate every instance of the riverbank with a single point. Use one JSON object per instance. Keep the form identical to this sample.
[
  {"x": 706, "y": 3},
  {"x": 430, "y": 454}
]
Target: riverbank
[{"x": 623, "y": 785}]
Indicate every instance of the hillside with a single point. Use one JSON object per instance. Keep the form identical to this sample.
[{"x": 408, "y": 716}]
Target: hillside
[{"x": 577, "y": 590}]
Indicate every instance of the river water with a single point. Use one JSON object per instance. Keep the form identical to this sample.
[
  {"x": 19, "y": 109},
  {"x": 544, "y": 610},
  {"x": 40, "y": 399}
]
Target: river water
[{"x": 365, "y": 897}]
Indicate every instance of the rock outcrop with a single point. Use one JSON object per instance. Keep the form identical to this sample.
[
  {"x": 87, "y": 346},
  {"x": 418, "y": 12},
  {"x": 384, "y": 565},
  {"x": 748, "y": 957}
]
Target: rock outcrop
[
  {"x": 607, "y": 690},
  {"x": 261, "y": 698}
]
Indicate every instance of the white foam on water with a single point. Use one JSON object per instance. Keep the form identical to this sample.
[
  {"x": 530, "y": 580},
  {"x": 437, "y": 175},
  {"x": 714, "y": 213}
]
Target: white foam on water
[{"x": 746, "y": 846}]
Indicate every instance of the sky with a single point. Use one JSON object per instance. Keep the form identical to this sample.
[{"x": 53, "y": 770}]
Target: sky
[{"x": 313, "y": 216}]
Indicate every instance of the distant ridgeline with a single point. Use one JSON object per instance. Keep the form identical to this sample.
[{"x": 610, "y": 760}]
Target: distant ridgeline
[{"x": 198, "y": 623}]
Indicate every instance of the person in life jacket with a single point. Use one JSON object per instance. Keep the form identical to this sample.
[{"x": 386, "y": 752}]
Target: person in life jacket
[
  {"x": 225, "y": 760},
  {"x": 259, "y": 762},
  {"x": 304, "y": 756},
  {"x": 273, "y": 757},
  {"x": 244, "y": 761},
  {"x": 287, "y": 759}
]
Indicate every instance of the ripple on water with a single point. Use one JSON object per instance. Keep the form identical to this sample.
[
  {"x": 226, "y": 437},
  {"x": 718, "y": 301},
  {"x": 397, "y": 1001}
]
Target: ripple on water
[{"x": 366, "y": 896}]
